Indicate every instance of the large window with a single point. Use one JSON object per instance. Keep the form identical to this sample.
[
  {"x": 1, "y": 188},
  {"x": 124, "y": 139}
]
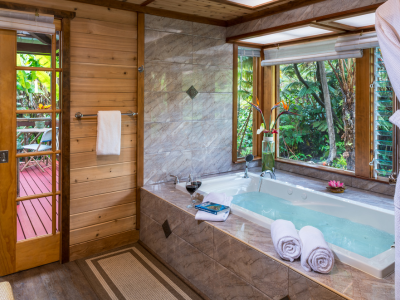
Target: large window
[
  {"x": 323, "y": 94},
  {"x": 245, "y": 110},
  {"x": 246, "y": 73},
  {"x": 383, "y": 109}
]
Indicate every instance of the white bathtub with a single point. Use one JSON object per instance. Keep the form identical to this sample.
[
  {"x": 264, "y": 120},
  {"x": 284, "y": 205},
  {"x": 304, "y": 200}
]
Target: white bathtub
[{"x": 379, "y": 266}]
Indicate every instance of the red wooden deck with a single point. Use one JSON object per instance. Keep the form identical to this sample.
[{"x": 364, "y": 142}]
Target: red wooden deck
[{"x": 34, "y": 217}]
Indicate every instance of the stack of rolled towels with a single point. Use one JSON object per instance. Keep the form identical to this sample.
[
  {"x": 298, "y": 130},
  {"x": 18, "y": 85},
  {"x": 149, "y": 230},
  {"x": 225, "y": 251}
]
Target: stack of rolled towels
[{"x": 309, "y": 244}]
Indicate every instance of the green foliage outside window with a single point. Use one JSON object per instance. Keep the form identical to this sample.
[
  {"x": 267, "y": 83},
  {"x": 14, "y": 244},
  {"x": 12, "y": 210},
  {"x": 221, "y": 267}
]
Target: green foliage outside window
[
  {"x": 308, "y": 138},
  {"x": 245, "y": 111}
]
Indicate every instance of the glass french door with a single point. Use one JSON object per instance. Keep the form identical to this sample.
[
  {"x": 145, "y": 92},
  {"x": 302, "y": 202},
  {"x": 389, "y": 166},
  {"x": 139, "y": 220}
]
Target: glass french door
[{"x": 30, "y": 114}]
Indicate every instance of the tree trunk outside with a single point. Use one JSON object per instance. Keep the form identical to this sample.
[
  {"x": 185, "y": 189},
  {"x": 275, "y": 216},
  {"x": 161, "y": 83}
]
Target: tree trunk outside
[
  {"x": 328, "y": 111},
  {"x": 349, "y": 131}
]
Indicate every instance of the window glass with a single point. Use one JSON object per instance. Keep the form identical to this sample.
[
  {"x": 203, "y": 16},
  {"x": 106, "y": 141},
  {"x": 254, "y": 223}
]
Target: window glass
[
  {"x": 322, "y": 93},
  {"x": 33, "y": 49},
  {"x": 383, "y": 129},
  {"x": 33, "y": 90},
  {"x": 245, "y": 110}
]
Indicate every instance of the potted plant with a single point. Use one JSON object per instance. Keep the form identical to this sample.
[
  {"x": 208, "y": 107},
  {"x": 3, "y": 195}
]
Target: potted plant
[{"x": 268, "y": 143}]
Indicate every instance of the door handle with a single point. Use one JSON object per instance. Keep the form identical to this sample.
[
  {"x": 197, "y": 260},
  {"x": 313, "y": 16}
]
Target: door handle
[{"x": 4, "y": 157}]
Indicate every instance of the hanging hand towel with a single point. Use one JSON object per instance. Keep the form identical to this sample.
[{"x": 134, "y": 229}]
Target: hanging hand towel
[
  {"x": 218, "y": 198},
  {"x": 316, "y": 254},
  {"x": 108, "y": 133},
  {"x": 286, "y": 239}
]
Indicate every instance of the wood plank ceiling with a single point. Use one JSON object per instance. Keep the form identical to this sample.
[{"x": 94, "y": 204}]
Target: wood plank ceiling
[{"x": 230, "y": 12}]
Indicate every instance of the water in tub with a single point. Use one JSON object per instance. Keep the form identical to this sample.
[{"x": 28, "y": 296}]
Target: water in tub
[{"x": 358, "y": 238}]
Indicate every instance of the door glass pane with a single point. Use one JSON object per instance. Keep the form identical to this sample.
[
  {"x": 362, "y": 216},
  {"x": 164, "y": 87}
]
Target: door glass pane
[
  {"x": 34, "y": 175},
  {"x": 34, "y": 218},
  {"x": 33, "y": 90},
  {"x": 33, "y": 49},
  {"x": 58, "y": 90},
  {"x": 383, "y": 129},
  {"x": 58, "y": 49}
]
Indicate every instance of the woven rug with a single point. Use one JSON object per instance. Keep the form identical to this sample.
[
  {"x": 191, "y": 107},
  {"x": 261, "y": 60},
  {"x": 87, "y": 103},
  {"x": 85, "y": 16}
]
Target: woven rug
[{"x": 133, "y": 273}]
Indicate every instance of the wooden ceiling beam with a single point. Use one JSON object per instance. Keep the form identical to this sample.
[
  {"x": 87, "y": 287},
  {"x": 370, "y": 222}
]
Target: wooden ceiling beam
[
  {"x": 147, "y": 2},
  {"x": 59, "y": 14},
  {"x": 153, "y": 11},
  {"x": 293, "y": 25},
  {"x": 293, "y": 4}
]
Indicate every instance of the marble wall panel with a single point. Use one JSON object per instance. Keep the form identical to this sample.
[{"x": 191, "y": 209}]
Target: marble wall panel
[
  {"x": 179, "y": 54},
  {"x": 212, "y": 278},
  {"x": 163, "y": 76},
  {"x": 167, "y": 46},
  {"x": 262, "y": 272},
  {"x": 168, "y": 25},
  {"x": 167, "y": 107},
  {"x": 301, "y": 288},
  {"x": 209, "y": 31}
]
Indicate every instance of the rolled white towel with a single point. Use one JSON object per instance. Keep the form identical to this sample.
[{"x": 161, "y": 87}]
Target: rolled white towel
[
  {"x": 286, "y": 239},
  {"x": 316, "y": 254}
]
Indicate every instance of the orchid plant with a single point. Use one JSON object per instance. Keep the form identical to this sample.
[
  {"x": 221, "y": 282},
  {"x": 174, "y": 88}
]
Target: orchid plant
[
  {"x": 272, "y": 130},
  {"x": 336, "y": 184}
]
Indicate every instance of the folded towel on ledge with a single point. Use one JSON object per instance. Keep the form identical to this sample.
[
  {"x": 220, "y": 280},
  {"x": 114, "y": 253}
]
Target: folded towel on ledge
[
  {"x": 286, "y": 239},
  {"x": 108, "y": 133},
  {"x": 218, "y": 198},
  {"x": 316, "y": 254}
]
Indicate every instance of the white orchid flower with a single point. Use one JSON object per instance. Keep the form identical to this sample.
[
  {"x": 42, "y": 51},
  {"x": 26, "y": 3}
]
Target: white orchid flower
[{"x": 262, "y": 128}]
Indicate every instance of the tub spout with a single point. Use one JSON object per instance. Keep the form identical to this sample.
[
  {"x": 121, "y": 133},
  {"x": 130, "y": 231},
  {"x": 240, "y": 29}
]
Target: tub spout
[{"x": 272, "y": 174}]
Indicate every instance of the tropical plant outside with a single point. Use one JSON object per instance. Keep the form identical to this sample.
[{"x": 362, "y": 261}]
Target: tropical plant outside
[
  {"x": 245, "y": 111},
  {"x": 323, "y": 94}
]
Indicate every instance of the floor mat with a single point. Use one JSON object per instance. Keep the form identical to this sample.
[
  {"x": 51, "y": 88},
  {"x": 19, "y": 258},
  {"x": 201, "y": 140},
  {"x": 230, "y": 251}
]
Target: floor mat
[{"x": 133, "y": 273}]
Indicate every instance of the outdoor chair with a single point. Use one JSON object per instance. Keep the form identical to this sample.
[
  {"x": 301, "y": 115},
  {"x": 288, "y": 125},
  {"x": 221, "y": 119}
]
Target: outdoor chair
[{"x": 46, "y": 138}]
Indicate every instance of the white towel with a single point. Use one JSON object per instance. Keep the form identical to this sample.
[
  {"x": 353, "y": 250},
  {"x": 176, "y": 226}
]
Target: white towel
[
  {"x": 286, "y": 239},
  {"x": 219, "y": 198},
  {"x": 108, "y": 133},
  {"x": 316, "y": 254},
  {"x": 388, "y": 30}
]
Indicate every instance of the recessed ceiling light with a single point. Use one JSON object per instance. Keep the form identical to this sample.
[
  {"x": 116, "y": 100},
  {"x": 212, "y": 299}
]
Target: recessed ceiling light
[
  {"x": 359, "y": 21},
  {"x": 287, "y": 35},
  {"x": 251, "y": 3}
]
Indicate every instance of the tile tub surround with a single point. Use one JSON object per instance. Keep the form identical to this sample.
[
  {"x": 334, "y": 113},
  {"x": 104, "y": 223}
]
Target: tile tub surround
[
  {"x": 182, "y": 135},
  {"x": 349, "y": 181},
  {"x": 244, "y": 253}
]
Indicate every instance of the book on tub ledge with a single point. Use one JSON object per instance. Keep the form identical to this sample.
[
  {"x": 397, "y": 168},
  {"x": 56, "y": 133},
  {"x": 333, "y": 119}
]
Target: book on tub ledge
[{"x": 212, "y": 208}]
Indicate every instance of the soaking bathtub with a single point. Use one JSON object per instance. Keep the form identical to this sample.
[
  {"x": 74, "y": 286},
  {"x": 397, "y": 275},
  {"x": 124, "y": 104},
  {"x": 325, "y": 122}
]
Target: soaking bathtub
[{"x": 360, "y": 235}]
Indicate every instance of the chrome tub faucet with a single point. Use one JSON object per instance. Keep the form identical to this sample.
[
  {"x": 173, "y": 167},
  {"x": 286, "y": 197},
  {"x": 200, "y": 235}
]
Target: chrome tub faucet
[
  {"x": 271, "y": 173},
  {"x": 176, "y": 181}
]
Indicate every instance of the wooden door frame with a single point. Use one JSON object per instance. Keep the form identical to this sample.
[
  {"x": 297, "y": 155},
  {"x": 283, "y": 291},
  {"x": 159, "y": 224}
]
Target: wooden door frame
[{"x": 66, "y": 17}]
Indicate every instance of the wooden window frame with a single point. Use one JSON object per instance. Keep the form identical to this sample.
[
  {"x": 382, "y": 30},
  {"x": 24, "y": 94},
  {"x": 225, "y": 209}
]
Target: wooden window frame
[
  {"x": 257, "y": 92},
  {"x": 364, "y": 119}
]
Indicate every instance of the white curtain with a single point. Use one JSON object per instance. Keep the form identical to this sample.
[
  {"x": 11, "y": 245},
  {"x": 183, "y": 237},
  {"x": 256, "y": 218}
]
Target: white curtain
[
  {"x": 307, "y": 52},
  {"x": 23, "y": 21},
  {"x": 388, "y": 30}
]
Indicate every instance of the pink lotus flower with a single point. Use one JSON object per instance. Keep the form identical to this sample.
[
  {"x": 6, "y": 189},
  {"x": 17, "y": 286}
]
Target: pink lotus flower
[{"x": 336, "y": 184}]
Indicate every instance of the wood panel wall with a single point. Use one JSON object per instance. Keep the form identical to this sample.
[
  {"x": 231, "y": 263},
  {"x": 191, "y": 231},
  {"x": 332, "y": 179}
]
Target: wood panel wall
[
  {"x": 103, "y": 188},
  {"x": 104, "y": 48}
]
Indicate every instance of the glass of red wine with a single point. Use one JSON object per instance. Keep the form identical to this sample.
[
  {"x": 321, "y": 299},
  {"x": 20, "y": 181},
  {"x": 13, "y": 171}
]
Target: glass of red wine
[{"x": 191, "y": 187}]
